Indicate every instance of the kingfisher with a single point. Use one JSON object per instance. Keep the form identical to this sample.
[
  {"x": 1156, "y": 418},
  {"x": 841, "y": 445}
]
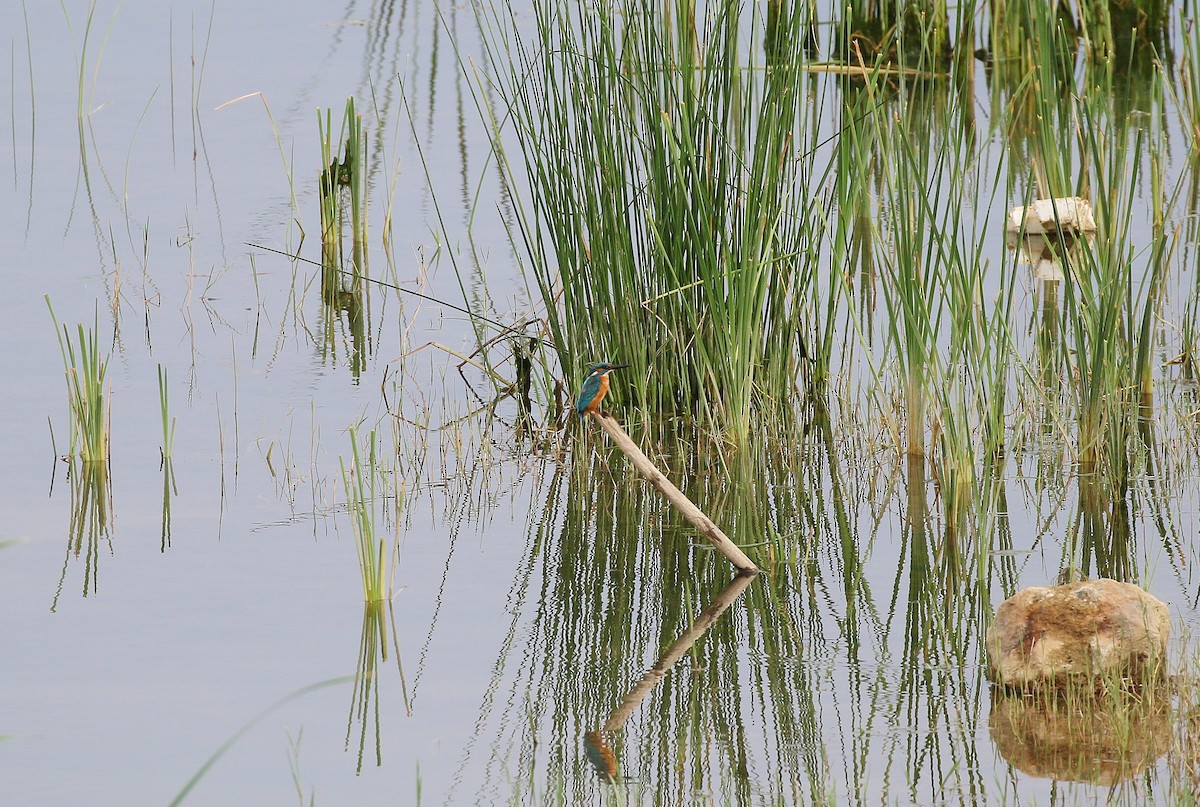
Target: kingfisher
[{"x": 595, "y": 387}]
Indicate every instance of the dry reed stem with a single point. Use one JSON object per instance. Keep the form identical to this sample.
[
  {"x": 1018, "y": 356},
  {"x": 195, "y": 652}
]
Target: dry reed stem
[{"x": 682, "y": 503}]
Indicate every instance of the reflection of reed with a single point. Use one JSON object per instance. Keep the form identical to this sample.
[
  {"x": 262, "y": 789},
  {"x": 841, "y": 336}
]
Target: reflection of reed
[
  {"x": 343, "y": 189},
  {"x": 169, "y": 491},
  {"x": 847, "y": 648},
  {"x": 912, "y": 34},
  {"x": 633, "y": 698},
  {"x": 91, "y": 501},
  {"x": 364, "y": 700},
  {"x": 611, "y": 579},
  {"x": 1102, "y": 528},
  {"x": 345, "y": 314}
]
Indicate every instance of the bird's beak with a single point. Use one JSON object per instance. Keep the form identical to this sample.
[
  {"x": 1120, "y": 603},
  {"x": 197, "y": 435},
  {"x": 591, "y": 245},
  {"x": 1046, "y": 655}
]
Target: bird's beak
[{"x": 617, "y": 366}]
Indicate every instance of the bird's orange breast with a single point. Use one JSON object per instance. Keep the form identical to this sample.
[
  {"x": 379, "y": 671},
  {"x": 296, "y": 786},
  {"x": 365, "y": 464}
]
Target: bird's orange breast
[{"x": 600, "y": 393}]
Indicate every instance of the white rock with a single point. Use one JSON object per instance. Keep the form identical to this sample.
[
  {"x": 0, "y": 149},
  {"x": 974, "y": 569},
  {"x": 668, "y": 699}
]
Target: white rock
[{"x": 1074, "y": 215}]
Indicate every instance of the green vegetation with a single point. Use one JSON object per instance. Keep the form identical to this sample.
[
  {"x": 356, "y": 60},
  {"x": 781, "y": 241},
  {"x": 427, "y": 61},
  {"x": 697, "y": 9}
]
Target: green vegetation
[
  {"x": 830, "y": 350},
  {"x": 828, "y": 297},
  {"x": 168, "y": 422},
  {"x": 668, "y": 212},
  {"x": 688, "y": 214},
  {"x": 168, "y": 469},
  {"x": 365, "y": 502},
  {"x": 342, "y": 185},
  {"x": 86, "y": 393}
]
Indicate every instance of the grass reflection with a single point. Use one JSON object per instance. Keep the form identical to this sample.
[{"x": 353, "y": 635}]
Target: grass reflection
[
  {"x": 378, "y": 624},
  {"x": 850, "y": 671},
  {"x": 91, "y": 507}
]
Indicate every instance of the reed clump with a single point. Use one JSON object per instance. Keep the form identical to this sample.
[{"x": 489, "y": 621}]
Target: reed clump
[
  {"x": 342, "y": 190},
  {"x": 365, "y": 499},
  {"x": 87, "y": 395},
  {"x": 671, "y": 223}
]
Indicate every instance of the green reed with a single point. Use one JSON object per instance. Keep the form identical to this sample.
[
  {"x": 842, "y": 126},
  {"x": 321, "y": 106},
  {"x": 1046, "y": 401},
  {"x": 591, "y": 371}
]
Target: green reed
[
  {"x": 168, "y": 470},
  {"x": 87, "y": 396},
  {"x": 1188, "y": 86},
  {"x": 343, "y": 196},
  {"x": 670, "y": 224},
  {"x": 1110, "y": 312},
  {"x": 168, "y": 422},
  {"x": 1080, "y": 140},
  {"x": 342, "y": 185},
  {"x": 946, "y": 323},
  {"x": 365, "y": 499}
]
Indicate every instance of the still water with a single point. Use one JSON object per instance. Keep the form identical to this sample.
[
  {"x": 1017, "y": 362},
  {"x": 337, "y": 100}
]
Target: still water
[{"x": 147, "y": 146}]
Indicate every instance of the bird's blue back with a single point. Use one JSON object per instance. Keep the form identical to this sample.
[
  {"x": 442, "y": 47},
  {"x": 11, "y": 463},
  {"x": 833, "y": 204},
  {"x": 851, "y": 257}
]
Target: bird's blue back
[{"x": 591, "y": 386}]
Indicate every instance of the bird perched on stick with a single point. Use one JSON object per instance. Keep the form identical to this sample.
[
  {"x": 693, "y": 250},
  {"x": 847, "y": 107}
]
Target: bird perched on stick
[{"x": 595, "y": 387}]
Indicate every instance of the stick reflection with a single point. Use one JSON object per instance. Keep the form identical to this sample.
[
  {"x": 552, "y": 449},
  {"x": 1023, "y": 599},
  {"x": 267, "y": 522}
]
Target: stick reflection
[{"x": 595, "y": 743}]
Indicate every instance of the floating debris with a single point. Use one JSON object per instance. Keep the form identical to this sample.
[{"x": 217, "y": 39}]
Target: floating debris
[
  {"x": 1066, "y": 215},
  {"x": 1047, "y": 230}
]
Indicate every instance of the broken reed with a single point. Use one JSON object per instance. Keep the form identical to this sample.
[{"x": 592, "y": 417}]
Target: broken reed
[
  {"x": 364, "y": 501},
  {"x": 670, "y": 220},
  {"x": 87, "y": 397}
]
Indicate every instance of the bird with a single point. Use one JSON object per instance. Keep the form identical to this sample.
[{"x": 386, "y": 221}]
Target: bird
[{"x": 595, "y": 387}]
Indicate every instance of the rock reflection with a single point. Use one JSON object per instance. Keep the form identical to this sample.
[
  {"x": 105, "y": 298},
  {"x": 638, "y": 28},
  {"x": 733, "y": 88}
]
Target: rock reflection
[
  {"x": 1100, "y": 740},
  {"x": 1045, "y": 253}
]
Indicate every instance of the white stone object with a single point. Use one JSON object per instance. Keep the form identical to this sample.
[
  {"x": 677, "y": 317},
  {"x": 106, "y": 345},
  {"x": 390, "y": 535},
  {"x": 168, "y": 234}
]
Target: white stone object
[{"x": 1074, "y": 215}]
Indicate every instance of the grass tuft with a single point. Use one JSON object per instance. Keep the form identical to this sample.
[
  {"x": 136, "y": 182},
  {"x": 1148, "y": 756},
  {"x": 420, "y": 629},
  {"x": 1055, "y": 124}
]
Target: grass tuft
[
  {"x": 87, "y": 396},
  {"x": 365, "y": 501}
]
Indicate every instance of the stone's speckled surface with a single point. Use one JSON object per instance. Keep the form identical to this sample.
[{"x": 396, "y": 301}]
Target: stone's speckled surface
[{"x": 1090, "y": 629}]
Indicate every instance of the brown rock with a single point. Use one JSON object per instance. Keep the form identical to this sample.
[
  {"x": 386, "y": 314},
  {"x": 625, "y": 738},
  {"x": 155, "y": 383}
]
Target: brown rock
[{"x": 1093, "y": 630}]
